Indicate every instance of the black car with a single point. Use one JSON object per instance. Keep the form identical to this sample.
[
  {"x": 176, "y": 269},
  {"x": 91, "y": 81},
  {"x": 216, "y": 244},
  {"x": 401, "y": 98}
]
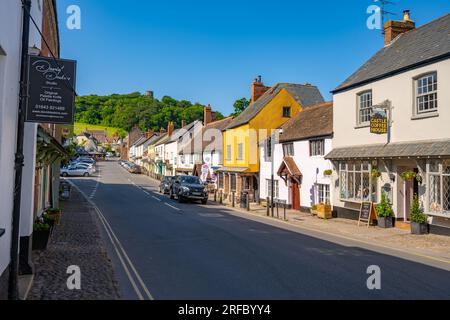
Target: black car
[
  {"x": 188, "y": 188},
  {"x": 164, "y": 186}
]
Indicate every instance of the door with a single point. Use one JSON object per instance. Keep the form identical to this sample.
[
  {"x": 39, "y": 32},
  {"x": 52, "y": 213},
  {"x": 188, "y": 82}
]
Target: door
[{"x": 295, "y": 189}]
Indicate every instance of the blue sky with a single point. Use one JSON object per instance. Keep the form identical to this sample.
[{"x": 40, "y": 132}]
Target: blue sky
[{"x": 209, "y": 51}]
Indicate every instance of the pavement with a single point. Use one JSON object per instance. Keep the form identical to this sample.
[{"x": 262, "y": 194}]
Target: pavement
[
  {"x": 77, "y": 241},
  {"x": 162, "y": 249}
]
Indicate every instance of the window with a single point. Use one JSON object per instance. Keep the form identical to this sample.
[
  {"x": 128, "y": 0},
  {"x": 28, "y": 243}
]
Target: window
[
  {"x": 182, "y": 158},
  {"x": 276, "y": 191},
  {"x": 317, "y": 148},
  {"x": 191, "y": 159},
  {"x": 286, "y": 112},
  {"x": 221, "y": 178},
  {"x": 356, "y": 182},
  {"x": 240, "y": 151},
  {"x": 229, "y": 152},
  {"x": 233, "y": 182},
  {"x": 323, "y": 193},
  {"x": 426, "y": 93},
  {"x": 439, "y": 190},
  {"x": 288, "y": 150},
  {"x": 364, "y": 107},
  {"x": 268, "y": 153}
]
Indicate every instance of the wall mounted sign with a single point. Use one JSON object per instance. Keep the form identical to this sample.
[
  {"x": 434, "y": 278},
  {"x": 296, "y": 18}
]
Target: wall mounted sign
[
  {"x": 51, "y": 92},
  {"x": 379, "y": 121}
]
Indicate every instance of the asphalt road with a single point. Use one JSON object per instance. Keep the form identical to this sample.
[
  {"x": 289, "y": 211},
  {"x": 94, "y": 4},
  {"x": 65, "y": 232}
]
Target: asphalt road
[{"x": 165, "y": 250}]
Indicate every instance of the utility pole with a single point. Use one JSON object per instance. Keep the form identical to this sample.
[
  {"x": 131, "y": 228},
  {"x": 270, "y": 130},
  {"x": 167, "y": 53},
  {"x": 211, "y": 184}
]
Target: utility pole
[{"x": 19, "y": 158}]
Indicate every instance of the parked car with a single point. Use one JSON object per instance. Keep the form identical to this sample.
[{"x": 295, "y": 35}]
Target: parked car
[
  {"x": 164, "y": 186},
  {"x": 76, "y": 170},
  {"x": 188, "y": 188},
  {"x": 135, "y": 169}
]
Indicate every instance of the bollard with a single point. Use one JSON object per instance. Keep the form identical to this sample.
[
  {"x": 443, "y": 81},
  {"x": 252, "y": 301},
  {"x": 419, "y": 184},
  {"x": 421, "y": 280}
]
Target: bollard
[
  {"x": 221, "y": 197},
  {"x": 284, "y": 212},
  {"x": 248, "y": 202},
  {"x": 268, "y": 209},
  {"x": 278, "y": 212},
  {"x": 215, "y": 195},
  {"x": 233, "y": 199}
]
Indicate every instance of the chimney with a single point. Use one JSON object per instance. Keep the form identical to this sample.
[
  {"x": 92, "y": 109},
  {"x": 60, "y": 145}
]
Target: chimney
[
  {"x": 207, "y": 115},
  {"x": 258, "y": 89},
  {"x": 392, "y": 29},
  {"x": 170, "y": 128},
  {"x": 183, "y": 123},
  {"x": 162, "y": 131},
  {"x": 149, "y": 133}
]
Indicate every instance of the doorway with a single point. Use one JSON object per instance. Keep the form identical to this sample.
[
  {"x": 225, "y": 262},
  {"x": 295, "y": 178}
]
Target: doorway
[
  {"x": 295, "y": 191},
  {"x": 410, "y": 189}
]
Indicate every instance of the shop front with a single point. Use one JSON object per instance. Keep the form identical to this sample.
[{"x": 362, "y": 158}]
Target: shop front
[{"x": 401, "y": 171}]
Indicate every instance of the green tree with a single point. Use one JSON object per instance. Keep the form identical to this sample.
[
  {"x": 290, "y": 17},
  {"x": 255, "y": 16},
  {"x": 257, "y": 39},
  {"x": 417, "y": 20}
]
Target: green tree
[{"x": 240, "y": 105}]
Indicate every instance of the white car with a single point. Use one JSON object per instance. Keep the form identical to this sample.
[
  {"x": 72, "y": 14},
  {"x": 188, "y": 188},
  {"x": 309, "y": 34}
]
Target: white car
[{"x": 77, "y": 170}]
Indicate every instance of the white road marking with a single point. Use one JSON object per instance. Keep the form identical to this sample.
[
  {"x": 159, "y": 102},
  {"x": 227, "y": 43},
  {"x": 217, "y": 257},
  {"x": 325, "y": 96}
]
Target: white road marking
[
  {"x": 169, "y": 205},
  {"x": 158, "y": 199}
]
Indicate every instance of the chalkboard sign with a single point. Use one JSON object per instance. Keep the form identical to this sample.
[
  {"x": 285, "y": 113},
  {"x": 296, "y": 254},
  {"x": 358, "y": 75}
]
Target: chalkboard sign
[{"x": 366, "y": 213}]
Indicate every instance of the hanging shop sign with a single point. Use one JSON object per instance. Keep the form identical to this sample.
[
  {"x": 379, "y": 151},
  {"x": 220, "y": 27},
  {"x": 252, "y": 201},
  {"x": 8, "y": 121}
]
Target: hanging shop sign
[
  {"x": 379, "y": 121},
  {"x": 51, "y": 84}
]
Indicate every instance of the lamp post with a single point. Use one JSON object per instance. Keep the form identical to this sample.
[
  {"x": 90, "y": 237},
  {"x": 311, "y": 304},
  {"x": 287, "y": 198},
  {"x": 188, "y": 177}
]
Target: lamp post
[{"x": 19, "y": 158}]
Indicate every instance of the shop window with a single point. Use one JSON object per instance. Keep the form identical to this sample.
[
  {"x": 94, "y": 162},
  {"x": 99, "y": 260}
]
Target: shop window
[
  {"x": 439, "y": 186},
  {"x": 356, "y": 183},
  {"x": 221, "y": 177},
  {"x": 233, "y": 179}
]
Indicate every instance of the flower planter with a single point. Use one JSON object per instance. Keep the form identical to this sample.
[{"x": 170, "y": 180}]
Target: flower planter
[
  {"x": 385, "y": 222},
  {"x": 324, "y": 211},
  {"x": 40, "y": 239},
  {"x": 419, "y": 228}
]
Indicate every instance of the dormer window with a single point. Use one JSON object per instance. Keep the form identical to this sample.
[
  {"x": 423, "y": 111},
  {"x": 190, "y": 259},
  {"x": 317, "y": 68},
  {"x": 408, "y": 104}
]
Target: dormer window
[
  {"x": 286, "y": 112},
  {"x": 364, "y": 107}
]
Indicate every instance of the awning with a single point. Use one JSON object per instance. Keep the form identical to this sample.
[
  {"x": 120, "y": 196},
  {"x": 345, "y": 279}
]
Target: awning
[
  {"x": 189, "y": 170},
  {"x": 422, "y": 149},
  {"x": 289, "y": 170},
  {"x": 49, "y": 149}
]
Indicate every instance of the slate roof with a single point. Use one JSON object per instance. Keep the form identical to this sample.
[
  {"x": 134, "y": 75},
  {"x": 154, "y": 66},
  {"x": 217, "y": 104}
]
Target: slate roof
[
  {"x": 412, "y": 49},
  {"x": 315, "y": 121},
  {"x": 420, "y": 149},
  {"x": 305, "y": 95}
]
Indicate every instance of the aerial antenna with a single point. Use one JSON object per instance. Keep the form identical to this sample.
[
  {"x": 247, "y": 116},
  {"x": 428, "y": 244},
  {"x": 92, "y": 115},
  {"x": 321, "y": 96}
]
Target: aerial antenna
[{"x": 384, "y": 12}]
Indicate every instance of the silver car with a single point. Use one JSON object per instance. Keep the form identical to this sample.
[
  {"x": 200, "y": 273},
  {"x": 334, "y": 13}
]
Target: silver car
[{"x": 77, "y": 170}]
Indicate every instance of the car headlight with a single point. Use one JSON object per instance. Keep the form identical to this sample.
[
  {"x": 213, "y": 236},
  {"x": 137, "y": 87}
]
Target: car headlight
[{"x": 185, "y": 189}]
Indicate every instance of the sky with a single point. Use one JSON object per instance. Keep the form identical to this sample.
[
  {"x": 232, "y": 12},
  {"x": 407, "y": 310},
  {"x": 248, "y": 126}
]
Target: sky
[{"x": 210, "y": 51}]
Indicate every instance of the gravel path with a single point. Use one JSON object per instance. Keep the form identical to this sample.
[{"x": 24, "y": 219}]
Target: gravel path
[{"x": 77, "y": 241}]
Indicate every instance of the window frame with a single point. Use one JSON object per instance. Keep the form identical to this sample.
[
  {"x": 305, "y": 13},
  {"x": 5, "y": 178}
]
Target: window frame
[
  {"x": 228, "y": 152},
  {"x": 288, "y": 149},
  {"x": 365, "y": 168},
  {"x": 417, "y": 95},
  {"x": 289, "y": 113},
  {"x": 359, "y": 96},
  {"x": 437, "y": 207},
  {"x": 313, "y": 150},
  {"x": 240, "y": 152},
  {"x": 276, "y": 194},
  {"x": 323, "y": 193}
]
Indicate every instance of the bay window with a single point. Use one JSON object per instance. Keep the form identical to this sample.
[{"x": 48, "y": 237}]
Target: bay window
[
  {"x": 439, "y": 186},
  {"x": 356, "y": 182}
]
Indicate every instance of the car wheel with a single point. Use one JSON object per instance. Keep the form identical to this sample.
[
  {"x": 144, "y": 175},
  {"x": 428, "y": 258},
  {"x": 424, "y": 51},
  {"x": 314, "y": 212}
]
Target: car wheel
[
  {"x": 180, "y": 199},
  {"x": 65, "y": 174},
  {"x": 204, "y": 201},
  {"x": 171, "y": 194},
  {"x": 86, "y": 174}
]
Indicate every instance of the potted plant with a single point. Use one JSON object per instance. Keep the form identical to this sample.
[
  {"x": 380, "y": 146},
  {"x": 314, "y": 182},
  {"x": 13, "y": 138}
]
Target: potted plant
[
  {"x": 41, "y": 233},
  {"x": 324, "y": 211},
  {"x": 419, "y": 179},
  {"x": 314, "y": 210},
  {"x": 408, "y": 175},
  {"x": 418, "y": 218},
  {"x": 385, "y": 213},
  {"x": 54, "y": 214},
  {"x": 375, "y": 173},
  {"x": 328, "y": 173}
]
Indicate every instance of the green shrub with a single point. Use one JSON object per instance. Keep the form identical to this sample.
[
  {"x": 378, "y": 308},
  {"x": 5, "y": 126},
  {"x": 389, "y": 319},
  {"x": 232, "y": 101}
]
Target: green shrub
[
  {"x": 384, "y": 209},
  {"x": 416, "y": 212},
  {"x": 41, "y": 226}
]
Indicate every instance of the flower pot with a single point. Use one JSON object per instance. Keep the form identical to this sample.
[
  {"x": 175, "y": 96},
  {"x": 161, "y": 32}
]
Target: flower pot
[
  {"x": 40, "y": 239},
  {"x": 419, "y": 228},
  {"x": 324, "y": 211},
  {"x": 385, "y": 222}
]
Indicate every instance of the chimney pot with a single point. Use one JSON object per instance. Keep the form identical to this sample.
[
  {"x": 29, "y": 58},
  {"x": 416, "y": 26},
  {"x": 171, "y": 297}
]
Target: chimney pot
[
  {"x": 406, "y": 15},
  {"x": 392, "y": 29},
  {"x": 207, "y": 115},
  {"x": 258, "y": 89}
]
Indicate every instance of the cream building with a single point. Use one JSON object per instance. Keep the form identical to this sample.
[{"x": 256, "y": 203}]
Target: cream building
[{"x": 408, "y": 78}]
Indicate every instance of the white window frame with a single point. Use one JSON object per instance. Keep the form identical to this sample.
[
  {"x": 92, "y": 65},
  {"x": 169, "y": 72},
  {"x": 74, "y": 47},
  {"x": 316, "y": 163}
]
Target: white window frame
[
  {"x": 357, "y": 194},
  {"x": 428, "y": 95},
  {"x": 288, "y": 149},
  {"x": 436, "y": 178},
  {"x": 240, "y": 153},
  {"x": 228, "y": 152},
  {"x": 364, "y": 105},
  {"x": 317, "y": 148},
  {"x": 323, "y": 193},
  {"x": 276, "y": 194}
]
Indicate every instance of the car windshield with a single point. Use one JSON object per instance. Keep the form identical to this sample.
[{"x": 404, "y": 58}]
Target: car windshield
[{"x": 190, "y": 180}]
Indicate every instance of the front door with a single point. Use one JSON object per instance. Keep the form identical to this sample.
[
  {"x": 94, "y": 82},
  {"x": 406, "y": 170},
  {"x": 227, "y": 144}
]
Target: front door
[{"x": 295, "y": 195}]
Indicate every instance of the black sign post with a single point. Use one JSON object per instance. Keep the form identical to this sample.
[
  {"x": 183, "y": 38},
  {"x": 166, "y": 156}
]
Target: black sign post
[{"x": 51, "y": 90}]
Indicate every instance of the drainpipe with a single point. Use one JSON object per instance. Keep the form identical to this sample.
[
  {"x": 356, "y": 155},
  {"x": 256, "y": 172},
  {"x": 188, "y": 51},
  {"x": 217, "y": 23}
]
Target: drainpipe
[{"x": 19, "y": 158}]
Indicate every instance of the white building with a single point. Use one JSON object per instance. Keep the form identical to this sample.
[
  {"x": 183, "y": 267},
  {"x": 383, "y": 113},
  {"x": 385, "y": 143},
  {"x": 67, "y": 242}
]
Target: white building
[
  {"x": 299, "y": 167},
  {"x": 409, "y": 78},
  {"x": 10, "y": 53}
]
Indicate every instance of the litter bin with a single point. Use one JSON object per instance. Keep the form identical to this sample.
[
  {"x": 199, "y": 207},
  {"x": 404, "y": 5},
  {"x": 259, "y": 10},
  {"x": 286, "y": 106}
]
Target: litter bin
[
  {"x": 64, "y": 193},
  {"x": 244, "y": 197}
]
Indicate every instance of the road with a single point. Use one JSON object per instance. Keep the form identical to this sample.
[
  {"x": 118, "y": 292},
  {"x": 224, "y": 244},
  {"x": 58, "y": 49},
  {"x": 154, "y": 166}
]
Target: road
[{"x": 165, "y": 250}]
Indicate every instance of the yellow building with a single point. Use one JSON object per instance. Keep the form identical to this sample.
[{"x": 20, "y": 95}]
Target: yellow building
[{"x": 270, "y": 108}]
